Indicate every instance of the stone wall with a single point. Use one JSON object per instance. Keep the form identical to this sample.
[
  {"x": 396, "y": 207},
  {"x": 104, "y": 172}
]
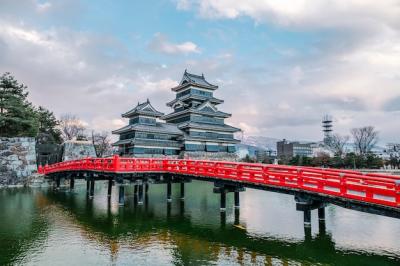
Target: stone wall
[
  {"x": 213, "y": 156},
  {"x": 75, "y": 149},
  {"x": 17, "y": 160}
]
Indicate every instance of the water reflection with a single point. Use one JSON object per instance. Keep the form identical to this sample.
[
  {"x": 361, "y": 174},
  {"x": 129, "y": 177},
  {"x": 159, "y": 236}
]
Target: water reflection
[{"x": 193, "y": 231}]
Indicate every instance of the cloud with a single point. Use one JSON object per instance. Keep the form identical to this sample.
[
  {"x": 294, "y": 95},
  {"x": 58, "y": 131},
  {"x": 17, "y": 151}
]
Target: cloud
[
  {"x": 71, "y": 72},
  {"x": 43, "y": 7},
  {"x": 302, "y": 14},
  {"x": 392, "y": 105},
  {"x": 161, "y": 44}
]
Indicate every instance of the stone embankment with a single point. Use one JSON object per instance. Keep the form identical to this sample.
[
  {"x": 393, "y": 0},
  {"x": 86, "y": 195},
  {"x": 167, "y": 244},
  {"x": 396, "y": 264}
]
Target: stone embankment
[
  {"x": 213, "y": 156},
  {"x": 17, "y": 161},
  {"x": 74, "y": 149}
]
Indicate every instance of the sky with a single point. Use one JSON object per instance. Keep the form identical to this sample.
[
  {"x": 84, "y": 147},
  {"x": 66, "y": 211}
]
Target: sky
[{"x": 280, "y": 65}]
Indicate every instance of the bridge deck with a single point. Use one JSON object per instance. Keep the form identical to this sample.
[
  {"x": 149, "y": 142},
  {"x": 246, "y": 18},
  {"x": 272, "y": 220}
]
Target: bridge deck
[{"x": 371, "y": 189}]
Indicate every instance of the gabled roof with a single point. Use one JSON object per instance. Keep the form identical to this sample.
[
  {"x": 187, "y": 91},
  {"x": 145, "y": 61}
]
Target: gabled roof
[
  {"x": 192, "y": 110},
  {"x": 224, "y": 127},
  {"x": 192, "y": 79},
  {"x": 163, "y": 128},
  {"x": 206, "y": 106},
  {"x": 196, "y": 97},
  {"x": 179, "y": 102},
  {"x": 143, "y": 109}
]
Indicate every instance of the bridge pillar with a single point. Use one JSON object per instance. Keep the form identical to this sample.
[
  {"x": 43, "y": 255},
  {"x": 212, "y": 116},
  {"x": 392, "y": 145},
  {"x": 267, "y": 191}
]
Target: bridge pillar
[
  {"x": 109, "y": 189},
  {"x": 182, "y": 190},
  {"x": 87, "y": 184},
  {"x": 58, "y": 181},
  {"x": 321, "y": 214},
  {"x": 237, "y": 200},
  {"x": 237, "y": 217},
  {"x": 91, "y": 193},
  {"x": 146, "y": 187},
  {"x": 223, "y": 201},
  {"x": 135, "y": 189},
  {"x": 121, "y": 196},
  {"x": 307, "y": 218},
  {"x": 72, "y": 183},
  {"x": 140, "y": 194},
  {"x": 169, "y": 191}
]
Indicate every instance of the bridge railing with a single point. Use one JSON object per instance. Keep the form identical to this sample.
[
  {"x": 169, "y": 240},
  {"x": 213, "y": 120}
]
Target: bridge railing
[{"x": 373, "y": 188}]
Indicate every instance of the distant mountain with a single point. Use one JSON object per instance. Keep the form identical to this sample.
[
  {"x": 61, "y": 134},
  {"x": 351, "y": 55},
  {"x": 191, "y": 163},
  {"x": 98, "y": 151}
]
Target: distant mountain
[{"x": 265, "y": 143}]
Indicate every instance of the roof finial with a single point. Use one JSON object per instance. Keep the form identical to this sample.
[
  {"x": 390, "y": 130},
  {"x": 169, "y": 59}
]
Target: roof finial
[
  {"x": 148, "y": 100},
  {"x": 185, "y": 70},
  {"x": 138, "y": 103},
  {"x": 202, "y": 74}
]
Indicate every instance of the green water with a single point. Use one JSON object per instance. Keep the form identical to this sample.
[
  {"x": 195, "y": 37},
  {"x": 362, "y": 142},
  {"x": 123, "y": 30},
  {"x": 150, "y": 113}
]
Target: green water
[{"x": 43, "y": 227}]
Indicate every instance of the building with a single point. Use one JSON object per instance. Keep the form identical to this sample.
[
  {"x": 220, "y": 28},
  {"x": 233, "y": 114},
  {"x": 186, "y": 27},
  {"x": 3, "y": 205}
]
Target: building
[
  {"x": 144, "y": 136},
  {"x": 196, "y": 115},
  {"x": 264, "y": 155},
  {"x": 286, "y": 149}
]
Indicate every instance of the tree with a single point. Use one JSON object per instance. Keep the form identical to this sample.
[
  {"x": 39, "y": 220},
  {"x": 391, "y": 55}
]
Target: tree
[
  {"x": 48, "y": 123},
  {"x": 322, "y": 159},
  {"x": 338, "y": 143},
  {"x": 102, "y": 143},
  {"x": 17, "y": 115},
  {"x": 364, "y": 139},
  {"x": 71, "y": 126}
]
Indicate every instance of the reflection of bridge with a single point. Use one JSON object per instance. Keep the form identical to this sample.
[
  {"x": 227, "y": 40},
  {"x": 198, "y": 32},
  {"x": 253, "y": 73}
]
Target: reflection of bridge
[
  {"x": 192, "y": 241},
  {"x": 313, "y": 188}
]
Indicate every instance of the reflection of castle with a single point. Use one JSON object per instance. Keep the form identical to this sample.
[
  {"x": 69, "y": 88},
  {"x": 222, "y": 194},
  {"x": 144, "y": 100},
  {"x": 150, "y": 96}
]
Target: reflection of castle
[{"x": 195, "y": 125}]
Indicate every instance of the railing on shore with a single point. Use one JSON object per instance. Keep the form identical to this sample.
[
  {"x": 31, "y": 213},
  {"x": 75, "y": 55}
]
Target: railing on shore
[{"x": 373, "y": 188}]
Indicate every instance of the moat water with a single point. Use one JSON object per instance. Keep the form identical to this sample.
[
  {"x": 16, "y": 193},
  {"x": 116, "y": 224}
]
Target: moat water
[{"x": 39, "y": 226}]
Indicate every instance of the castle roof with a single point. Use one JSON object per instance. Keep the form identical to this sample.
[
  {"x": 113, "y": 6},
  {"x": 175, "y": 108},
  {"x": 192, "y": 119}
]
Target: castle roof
[
  {"x": 159, "y": 127},
  {"x": 196, "y": 80},
  {"x": 143, "y": 109}
]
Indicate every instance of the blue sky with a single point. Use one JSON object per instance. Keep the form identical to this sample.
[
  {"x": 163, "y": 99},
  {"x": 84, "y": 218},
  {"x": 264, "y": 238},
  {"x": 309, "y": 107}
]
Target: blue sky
[{"x": 280, "y": 65}]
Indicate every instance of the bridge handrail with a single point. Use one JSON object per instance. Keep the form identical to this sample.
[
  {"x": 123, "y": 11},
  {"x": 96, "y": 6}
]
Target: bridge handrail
[{"x": 374, "y": 188}]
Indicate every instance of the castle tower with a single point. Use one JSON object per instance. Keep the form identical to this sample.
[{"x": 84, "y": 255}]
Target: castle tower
[{"x": 196, "y": 114}]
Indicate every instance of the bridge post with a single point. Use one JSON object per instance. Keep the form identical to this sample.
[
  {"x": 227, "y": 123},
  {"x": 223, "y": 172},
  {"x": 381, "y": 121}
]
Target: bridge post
[
  {"x": 121, "y": 195},
  {"x": 307, "y": 218},
  {"x": 72, "y": 183},
  {"x": 169, "y": 191},
  {"x": 135, "y": 189},
  {"x": 91, "y": 193},
  {"x": 146, "y": 187},
  {"x": 87, "y": 184},
  {"x": 223, "y": 200},
  {"x": 182, "y": 190},
  {"x": 140, "y": 195},
  {"x": 237, "y": 199},
  {"x": 58, "y": 181},
  {"x": 321, "y": 213},
  {"x": 237, "y": 217},
  {"x": 109, "y": 189}
]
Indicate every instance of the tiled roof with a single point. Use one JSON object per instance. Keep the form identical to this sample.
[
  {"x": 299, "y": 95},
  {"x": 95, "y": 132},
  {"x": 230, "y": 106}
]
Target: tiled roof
[
  {"x": 197, "y": 97},
  {"x": 197, "y": 79},
  {"x": 158, "y": 128},
  {"x": 145, "y": 109},
  {"x": 208, "y": 126}
]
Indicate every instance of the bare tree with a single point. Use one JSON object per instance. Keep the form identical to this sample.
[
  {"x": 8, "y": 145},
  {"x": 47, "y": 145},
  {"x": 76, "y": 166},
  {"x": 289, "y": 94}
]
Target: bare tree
[
  {"x": 102, "y": 143},
  {"x": 365, "y": 138},
  {"x": 71, "y": 126},
  {"x": 338, "y": 143}
]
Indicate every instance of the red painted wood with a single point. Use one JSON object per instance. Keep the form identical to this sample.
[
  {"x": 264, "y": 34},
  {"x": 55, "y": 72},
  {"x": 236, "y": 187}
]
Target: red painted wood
[{"x": 372, "y": 188}]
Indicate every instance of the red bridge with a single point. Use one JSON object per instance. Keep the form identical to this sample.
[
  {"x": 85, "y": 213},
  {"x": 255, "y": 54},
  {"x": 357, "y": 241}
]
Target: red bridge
[{"x": 313, "y": 188}]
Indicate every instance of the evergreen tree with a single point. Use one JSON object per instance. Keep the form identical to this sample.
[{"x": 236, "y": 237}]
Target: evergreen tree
[
  {"x": 17, "y": 115},
  {"x": 48, "y": 123}
]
